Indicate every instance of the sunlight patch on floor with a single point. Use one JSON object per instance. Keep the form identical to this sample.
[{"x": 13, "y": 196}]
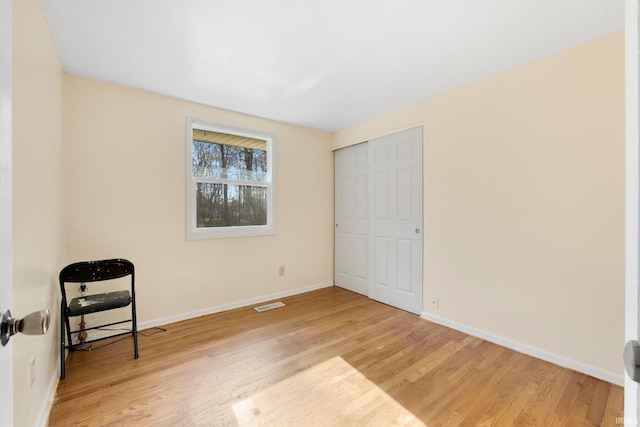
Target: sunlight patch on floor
[{"x": 332, "y": 393}]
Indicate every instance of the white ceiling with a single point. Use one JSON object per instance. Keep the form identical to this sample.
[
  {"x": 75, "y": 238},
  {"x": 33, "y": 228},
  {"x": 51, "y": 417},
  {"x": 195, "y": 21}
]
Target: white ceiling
[{"x": 323, "y": 64}]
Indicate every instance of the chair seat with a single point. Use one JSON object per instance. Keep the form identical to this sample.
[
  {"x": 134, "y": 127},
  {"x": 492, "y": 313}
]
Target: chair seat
[{"x": 98, "y": 302}]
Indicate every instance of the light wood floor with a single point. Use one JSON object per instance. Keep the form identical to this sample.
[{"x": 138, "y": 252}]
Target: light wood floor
[{"x": 306, "y": 364}]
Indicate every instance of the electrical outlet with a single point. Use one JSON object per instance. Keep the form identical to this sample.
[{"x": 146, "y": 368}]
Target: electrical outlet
[
  {"x": 281, "y": 270},
  {"x": 435, "y": 302},
  {"x": 32, "y": 371}
]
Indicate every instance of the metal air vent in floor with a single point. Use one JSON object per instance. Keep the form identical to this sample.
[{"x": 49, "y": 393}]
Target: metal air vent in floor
[{"x": 269, "y": 306}]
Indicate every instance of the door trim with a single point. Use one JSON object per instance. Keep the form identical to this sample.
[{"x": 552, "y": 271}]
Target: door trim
[
  {"x": 632, "y": 197},
  {"x": 6, "y": 355}
]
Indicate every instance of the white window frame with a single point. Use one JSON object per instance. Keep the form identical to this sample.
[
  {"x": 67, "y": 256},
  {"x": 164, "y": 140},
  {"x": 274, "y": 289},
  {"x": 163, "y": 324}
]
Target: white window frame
[{"x": 195, "y": 233}]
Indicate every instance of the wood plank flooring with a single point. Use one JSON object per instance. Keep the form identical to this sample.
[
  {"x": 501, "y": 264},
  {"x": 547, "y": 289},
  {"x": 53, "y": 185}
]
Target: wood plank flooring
[{"x": 207, "y": 371}]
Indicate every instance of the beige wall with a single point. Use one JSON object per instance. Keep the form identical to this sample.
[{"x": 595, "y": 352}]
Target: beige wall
[
  {"x": 125, "y": 182},
  {"x": 37, "y": 203},
  {"x": 524, "y": 203}
]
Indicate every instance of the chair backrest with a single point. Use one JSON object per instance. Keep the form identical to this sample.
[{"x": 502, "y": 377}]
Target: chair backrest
[{"x": 94, "y": 271}]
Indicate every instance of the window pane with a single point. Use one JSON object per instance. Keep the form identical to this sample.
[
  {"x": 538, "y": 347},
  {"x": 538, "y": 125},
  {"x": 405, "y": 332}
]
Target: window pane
[
  {"x": 226, "y": 205},
  {"x": 228, "y": 161}
]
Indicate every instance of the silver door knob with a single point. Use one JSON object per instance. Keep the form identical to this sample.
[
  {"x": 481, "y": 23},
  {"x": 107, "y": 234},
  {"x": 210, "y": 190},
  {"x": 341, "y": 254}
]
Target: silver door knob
[
  {"x": 417, "y": 231},
  {"x": 36, "y": 323},
  {"x": 632, "y": 360}
]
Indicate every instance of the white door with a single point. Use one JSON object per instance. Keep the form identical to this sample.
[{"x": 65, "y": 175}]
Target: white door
[
  {"x": 632, "y": 236},
  {"x": 352, "y": 218},
  {"x": 6, "y": 385},
  {"x": 395, "y": 180}
]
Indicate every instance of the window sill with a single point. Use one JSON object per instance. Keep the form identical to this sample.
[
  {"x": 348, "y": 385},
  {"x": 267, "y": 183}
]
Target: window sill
[{"x": 230, "y": 232}]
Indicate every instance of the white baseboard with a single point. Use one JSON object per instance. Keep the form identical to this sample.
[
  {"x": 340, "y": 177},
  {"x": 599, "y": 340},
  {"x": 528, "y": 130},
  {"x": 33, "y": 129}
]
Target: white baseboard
[
  {"x": 43, "y": 418},
  {"x": 528, "y": 350},
  {"x": 230, "y": 306}
]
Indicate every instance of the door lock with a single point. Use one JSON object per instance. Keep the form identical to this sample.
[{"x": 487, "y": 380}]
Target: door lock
[{"x": 36, "y": 323}]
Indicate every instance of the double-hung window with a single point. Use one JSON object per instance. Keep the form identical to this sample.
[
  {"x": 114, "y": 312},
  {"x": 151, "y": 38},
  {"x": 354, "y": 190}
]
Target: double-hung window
[{"x": 230, "y": 191}]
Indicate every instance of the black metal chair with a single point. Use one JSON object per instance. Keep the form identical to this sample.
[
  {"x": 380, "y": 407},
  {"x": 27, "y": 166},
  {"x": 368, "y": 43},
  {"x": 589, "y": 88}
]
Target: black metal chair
[{"x": 95, "y": 271}]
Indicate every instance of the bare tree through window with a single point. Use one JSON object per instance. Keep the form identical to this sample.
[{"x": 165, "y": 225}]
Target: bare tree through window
[{"x": 238, "y": 195}]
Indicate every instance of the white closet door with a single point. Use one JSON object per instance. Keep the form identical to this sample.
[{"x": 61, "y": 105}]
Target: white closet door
[
  {"x": 352, "y": 218},
  {"x": 395, "y": 238}
]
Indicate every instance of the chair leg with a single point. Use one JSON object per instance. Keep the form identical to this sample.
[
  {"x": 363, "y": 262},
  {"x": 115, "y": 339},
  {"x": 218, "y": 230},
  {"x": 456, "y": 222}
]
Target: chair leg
[
  {"x": 134, "y": 324},
  {"x": 62, "y": 340},
  {"x": 69, "y": 340}
]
